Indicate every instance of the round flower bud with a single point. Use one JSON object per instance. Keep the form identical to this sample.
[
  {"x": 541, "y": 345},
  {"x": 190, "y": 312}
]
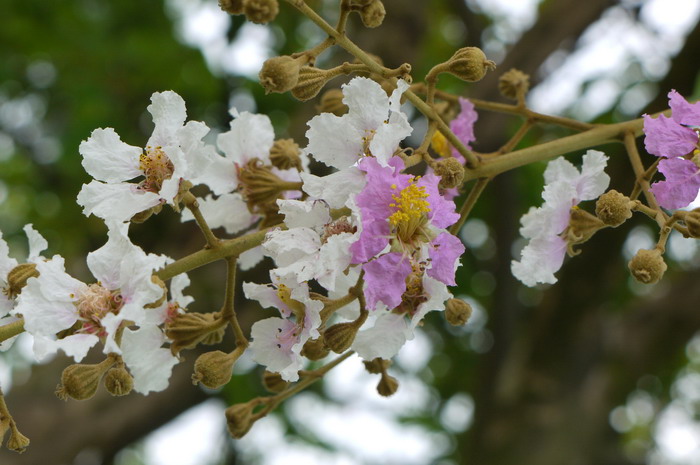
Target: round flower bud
[
  {"x": 457, "y": 312},
  {"x": 613, "y": 208},
  {"x": 340, "y": 336},
  {"x": 692, "y": 221},
  {"x": 213, "y": 369},
  {"x": 311, "y": 81},
  {"x": 17, "y": 278},
  {"x": 273, "y": 382},
  {"x": 647, "y": 266},
  {"x": 260, "y": 11},
  {"x": 315, "y": 349},
  {"x": 232, "y": 7},
  {"x": 514, "y": 83},
  {"x": 118, "y": 381},
  {"x": 451, "y": 172},
  {"x": 387, "y": 386},
  {"x": 332, "y": 102},
  {"x": 279, "y": 74},
  {"x": 376, "y": 366},
  {"x": 80, "y": 381},
  {"x": 239, "y": 419},
  {"x": 470, "y": 64},
  {"x": 284, "y": 154},
  {"x": 372, "y": 14}
]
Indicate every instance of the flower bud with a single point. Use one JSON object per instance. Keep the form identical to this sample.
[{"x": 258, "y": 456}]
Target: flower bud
[
  {"x": 80, "y": 381},
  {"x": 259, "y": 185},
  {"x": 311, "y": 81},
  {"x": 260, "y": 11},
  {"x": 142, "y": 216},
  {"x": 582, "y": 226},
  {"x": 340, "y": 336},
  {"x": 451, "y": 172},
  {"x": 387, "y": 386},
  {"x": 189, "y": 329},
  {"x": 17, "y": 442},
  {"x": 17, "y": 278},
  {"x": 376, "y": 366},
  {"x": 470, "y": 64},
  {"x": 647, "y": 266},
  {"x": 692, "y": 221},
  {"x": 239, "y": 419},
  {"x": 457, "y": 312},
  {"x": 232, "y": 7},
  {"x": 273, "y": 382},
  {"x": 118, "y": 381},
  {"x": 332, "y": 102},
  {"x": 279, "y": 74},
  {"x": 513, "y": 84},
  {"x": 213, "y": 369},
  {"x": 613, "y": 208},
  {"x": 315, "y": 349},
  {"x": 284, "y": 154},
  {"x": 372, "y": 14}
]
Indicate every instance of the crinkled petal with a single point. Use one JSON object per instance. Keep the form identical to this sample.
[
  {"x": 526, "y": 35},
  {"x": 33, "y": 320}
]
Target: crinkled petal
[
  {"x": 540, "y": 259},
  {"x": 682, "y": 111},
  {"x": 75, "y": 345},
  {"x": 274, "y": 352},
  {"x": 250, "y": 258},
  {"x": 373, "y": 239},
  {"x": 387, "y": 137},
  {"x": 384, "y": 340},
  {"x": 295, "y": 252},
  {"x": 437, "y": 296},
  {"x": 593, "y": 180},
  {"x": 667, "y": 138},
  {"x": 251, "y": 136},
  {"x": 312, "y": 214},
  {"x": 169, "y": 115},
  {"x": 228, "y": 211},
  {"x": 37, "y": 243},
  {"x": 463, "y": 125},
  {"x": 445, "y": 251},
  {"x": 149, "y": 363},
  {"x": 115, "y": 202},
  {"x": 681, "y": 184},
  {"x": 107, "y": 158},
  {"x": 336, "y": 188},
  {"x": 442, "y": 211},
  {"x": 333, "y": 141},
  {"x": 367, "y": 102},
  {"x": 385, "y": 280},
  {"x": 334, "y": 258},
  {"x": 7, "y": 263}
]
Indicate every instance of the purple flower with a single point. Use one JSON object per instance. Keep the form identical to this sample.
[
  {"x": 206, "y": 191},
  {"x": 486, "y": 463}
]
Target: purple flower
[
  {"x": 463, "y": 126},
  {"x": 681, "y": 184}
]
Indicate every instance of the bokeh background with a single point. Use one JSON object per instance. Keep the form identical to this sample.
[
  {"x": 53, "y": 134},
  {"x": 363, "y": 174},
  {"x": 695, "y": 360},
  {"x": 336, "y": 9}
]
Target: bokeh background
[{"x": 594, "y": 370}]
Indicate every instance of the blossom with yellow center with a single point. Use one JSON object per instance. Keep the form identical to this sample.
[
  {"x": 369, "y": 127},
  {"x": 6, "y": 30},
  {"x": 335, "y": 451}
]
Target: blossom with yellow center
[{"x": 411, "y": 210}]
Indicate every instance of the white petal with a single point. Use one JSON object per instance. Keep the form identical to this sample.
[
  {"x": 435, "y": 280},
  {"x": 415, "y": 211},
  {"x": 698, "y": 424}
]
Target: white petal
[
  {"x": 37, "y": 243},
  {"x": 228, "y": 211},
  {"x": 389, "y": 333},
  {"x": 334, "y": 141},
  {"x": 593, "y": 180},
  {"x": 334, "y": 259},
  {"x": 250, "y": 136},
  {"x": 367, "y": 102},
  {"x": 386, "y": 139},
  {"x": 336, "y": 188},
  {"x": 107, "y": 158},
  {"x": 177, "y": 285},
  {"x": 560, "y": 169},
  {"x": 312, "y": 214},
  {"x": 6, "y": 262},
  {"x": 76, "y": 346},
  {"x": 250, "y": 258},
  {"x": 149, "y": 364},
  {"x": 169, "y": 114},
  {"x": 115, "y": 202}
]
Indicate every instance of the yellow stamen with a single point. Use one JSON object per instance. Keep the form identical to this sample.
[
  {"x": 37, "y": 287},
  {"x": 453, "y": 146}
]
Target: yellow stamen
[{"x": 440, "y": 145}]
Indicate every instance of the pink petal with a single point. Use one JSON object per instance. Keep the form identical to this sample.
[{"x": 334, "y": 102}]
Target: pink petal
[
  {"x": 681, "y": 184},
  {"x": 385, "y": 280},
  {"x": 666, "y": 138}
]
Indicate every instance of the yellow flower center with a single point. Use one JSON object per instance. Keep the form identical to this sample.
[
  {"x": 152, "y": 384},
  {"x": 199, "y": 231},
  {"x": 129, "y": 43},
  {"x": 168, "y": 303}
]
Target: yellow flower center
[
  {"x": 156, "y": 167},
  {"x": 411, "y": 208},
  {"x": 440, "y": 145},
  {"x": 95, "y": 302}
]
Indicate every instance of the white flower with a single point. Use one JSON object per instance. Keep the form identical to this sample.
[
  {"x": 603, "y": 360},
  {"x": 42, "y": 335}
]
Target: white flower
[
  {"x": 174, "y": 152},
  {"x": 55, "y": 301},
  {"x": 277, "y": 342},
  {"x": 565, "y": 187},
  {"x": 314, "y": 246},
  {"x": 149, "y": 363},
  {"x": 374, "y": 125}
]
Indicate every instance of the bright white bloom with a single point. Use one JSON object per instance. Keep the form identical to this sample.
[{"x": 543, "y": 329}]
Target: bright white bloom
[
  {"x": 174, "y": 152},
  {"x": 338, "y": 188},
  {"x": 149, "y": 363},
  {"x": 277, "y": 342},
  {"x": 374, "y": 125},
  {"x": 565, "y": 187},
  {"x": 55, "y": 301},
  {"x": 37, "y": 244},
  {"x": 388, "y": 331},
  {"x": 314, "y": 246}
]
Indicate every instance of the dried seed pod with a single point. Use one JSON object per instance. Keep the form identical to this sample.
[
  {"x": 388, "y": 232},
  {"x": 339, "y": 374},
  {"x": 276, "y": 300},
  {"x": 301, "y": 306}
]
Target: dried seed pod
[
  {"x": 613, "y": 208},
  {"x": 514, "y": 83},
  {"x": 647, "y": 266},
  {"x": 451, "y": 172},
  {"x": 470, "y": 64},
  {"x": 260, "y": 11},
  {"x": 457, "y": 312},
  {"x": 213, "y": 369}
]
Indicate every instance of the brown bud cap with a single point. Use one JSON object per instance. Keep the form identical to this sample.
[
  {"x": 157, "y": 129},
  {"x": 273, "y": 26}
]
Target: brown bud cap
[
  {"x": 118, "y": 381},
  {"x": 311, "y": 81},
  {"x": 514, "y": 83},
  {"x": 18, "y": 442},
  {"x": 162, "y": 298},
  {"x": 582, "y": 226},
  {"x": 273, "y": 382},
  {"x": 451, "y": 172},
  {"x": 141, "y": 217},
  {"x": 80, "y": 381},
  {"x": 239, "y": 419},
  {"x": 692, "y": 221},
  {"x": 613, "y": 208},
  {"x": 332, "y": 102},
  {"x": 340, "y": 336},
  {"x": 232, "y": 7},
  {"x": 285, "y": 154},
  {"x": 315, "y": 349},
  {"x": 260, "y": 11},
  {"x": 457, "y": 312},
  {"x": 647, "y": 266},
  {"x": 279, "y": 74},
  {"x": 17, "y": 278},
  {"x": 387, "y": 386},
  {"x": 189, "y": 329},
  {"x": 213, "y": 369},
  {"x": 470, "y": 64},
  {"x": 377, "y": 366},
  {"x": 373, "y": 13}
]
